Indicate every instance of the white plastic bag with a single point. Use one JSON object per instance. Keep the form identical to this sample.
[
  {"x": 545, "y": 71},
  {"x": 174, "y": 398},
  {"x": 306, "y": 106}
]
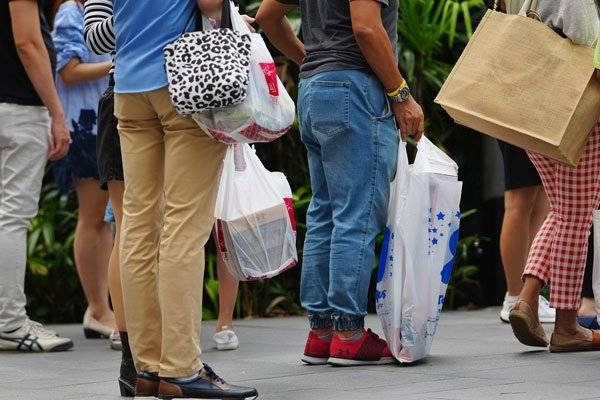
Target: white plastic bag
[
  {"x": 418, "y": 250},
  {"x": 596, "y": 273},
  {"x": 255, "y": 224},
  {"x": 268, "y": 111}
]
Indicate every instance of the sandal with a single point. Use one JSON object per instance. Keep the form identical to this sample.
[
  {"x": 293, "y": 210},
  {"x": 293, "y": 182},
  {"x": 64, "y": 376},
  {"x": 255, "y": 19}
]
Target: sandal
[
  {"x": 565, "y": 344},
  {"x": 526, "y": 326}
]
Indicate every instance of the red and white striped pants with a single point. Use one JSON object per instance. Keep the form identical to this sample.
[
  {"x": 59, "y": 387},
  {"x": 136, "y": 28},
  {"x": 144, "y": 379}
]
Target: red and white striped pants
[{"x": 559, "y": 251}]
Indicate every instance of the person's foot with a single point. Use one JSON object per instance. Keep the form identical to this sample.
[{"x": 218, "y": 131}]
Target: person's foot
[
  {"x": 526, "y": 325},
  {"x": 115, "y": 341},
  {"x": 316, "y": 350},
  {"x": 206, "y": 385},
  {"x": 363, "y": 348},
  {"x": 547, "y": 314},
  {"x": 147, "y": 385},
  {"x": 580, "y": 339},
  {"x": 226, "y": 339},
  {"x": 32, "y": 336},
  {"x": 587, "y": 308},
  {"x": 97, "y": 329}
]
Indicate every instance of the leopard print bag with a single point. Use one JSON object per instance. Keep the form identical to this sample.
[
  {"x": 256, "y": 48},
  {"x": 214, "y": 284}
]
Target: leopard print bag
[{"x": 209, "y": 69}]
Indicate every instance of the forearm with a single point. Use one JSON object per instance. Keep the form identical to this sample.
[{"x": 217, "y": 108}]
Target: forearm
[
  {"x": 36, "y": 62},
  {"x": 282, "y": 36},
  {"x": 377, "y": 50},
  {"x": 77, "y": 72}
]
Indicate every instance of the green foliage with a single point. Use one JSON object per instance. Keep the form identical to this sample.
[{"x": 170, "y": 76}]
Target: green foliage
[{"x": 52, "y": 287}]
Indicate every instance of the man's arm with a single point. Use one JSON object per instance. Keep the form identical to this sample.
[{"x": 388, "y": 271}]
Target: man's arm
[
  {"x": 32, "y": 52},
  {"x": 272, "y": 20},
  {"x": 377, "y": 49}
]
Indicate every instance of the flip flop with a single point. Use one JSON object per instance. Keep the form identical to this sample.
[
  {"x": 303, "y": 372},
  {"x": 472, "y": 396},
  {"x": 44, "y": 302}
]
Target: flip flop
[
  {"x": 589, "y": 322},
  {"x": 565, "y": 344}
]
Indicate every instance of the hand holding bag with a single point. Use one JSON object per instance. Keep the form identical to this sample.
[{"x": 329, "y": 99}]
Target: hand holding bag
[{"x": 208, "y": 69}]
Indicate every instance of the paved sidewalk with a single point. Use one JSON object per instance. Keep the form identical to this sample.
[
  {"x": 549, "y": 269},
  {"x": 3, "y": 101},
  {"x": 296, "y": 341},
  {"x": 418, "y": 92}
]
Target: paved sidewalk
[{"x": 474, "y": 357}]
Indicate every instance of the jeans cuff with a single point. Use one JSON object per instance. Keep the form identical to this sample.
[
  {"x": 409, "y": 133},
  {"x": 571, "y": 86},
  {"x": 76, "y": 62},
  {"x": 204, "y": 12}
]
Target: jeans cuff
[
  {"x": 348, "y": 322},
  {"x": 319, "y": 321}
]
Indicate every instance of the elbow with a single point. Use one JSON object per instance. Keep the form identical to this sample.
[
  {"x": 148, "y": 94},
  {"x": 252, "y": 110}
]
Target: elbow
[
  {"x": 68, "y": 78},
  {"x": 261, "y": 19},
  {"x": 363, "y": 33},
  {"x": 25, "y": 46}
]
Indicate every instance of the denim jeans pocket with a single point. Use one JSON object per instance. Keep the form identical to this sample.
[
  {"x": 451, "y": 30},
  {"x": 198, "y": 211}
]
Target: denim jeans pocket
[{"x": 329, "y": 107}]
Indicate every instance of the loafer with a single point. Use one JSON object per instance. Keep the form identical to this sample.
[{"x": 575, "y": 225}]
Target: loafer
[
  {"x": 566, "y": 344},
  {"x": 207, "y": 385},
  {"x": 526, "y": 326},
  {"x": 94, "y": 329}
]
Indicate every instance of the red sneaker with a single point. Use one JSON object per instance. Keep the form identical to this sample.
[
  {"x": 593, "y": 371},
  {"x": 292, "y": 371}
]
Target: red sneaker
[
  {"x": 368, "y": 350},
  {"x": 316, "y": 351}
]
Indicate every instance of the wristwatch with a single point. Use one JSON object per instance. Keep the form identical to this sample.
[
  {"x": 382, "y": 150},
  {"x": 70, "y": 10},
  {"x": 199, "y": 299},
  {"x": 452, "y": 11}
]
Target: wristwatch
[{"x": 399, "y": 95}]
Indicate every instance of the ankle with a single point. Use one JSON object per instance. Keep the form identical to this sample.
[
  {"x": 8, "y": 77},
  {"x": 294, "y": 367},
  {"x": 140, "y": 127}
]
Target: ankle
[{"x": 223, "y": 325}]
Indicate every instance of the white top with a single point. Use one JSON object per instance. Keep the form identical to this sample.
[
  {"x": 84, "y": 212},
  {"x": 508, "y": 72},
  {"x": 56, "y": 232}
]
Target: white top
[{"x": 578, "y": 19}]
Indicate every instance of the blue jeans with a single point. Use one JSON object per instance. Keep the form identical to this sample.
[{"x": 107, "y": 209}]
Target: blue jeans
[{"x": 350, "y": 134}]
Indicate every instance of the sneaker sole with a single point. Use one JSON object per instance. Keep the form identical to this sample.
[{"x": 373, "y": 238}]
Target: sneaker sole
[
  {"x": 314, "y": 360},
  {"x": 58, "y": 348},
  {"x": 344, "y": 362},
  {"x": 228, "y": 346},
  {"x": 61, "y": 347}
]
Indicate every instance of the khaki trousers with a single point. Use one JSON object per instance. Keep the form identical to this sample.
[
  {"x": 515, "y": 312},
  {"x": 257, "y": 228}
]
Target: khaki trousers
[{"x": 171, "y": 172}]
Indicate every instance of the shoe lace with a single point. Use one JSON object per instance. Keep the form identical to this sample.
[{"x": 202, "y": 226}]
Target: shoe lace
[
  {"x": 39, "y": 330},
  {"x": 212, "y": 374}
]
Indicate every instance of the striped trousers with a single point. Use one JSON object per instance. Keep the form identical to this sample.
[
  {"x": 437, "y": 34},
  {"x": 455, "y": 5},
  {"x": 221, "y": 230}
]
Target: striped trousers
[{"x": 559, "y": 250}]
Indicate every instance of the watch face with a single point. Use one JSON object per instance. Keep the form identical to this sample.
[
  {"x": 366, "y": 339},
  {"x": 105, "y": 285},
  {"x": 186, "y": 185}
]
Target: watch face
[{"x": 404, "y": 94}]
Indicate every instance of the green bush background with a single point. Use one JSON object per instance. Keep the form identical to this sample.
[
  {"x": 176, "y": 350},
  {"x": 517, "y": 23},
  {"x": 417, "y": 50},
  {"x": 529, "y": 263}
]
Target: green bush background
[{"x": 432, "y": 35}]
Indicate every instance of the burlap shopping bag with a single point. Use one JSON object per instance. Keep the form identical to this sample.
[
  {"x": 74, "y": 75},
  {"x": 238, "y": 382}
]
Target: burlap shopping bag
[{"x": 517, "y": 80}]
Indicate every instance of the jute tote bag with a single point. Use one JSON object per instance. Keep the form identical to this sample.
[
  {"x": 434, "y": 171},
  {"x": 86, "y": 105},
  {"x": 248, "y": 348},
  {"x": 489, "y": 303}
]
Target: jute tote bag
[{"x": 517, "y": 80}]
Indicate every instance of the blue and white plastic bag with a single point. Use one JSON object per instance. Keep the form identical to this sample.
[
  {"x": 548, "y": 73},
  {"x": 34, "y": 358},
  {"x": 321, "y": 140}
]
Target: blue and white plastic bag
[{"x": 418, "y": 250}]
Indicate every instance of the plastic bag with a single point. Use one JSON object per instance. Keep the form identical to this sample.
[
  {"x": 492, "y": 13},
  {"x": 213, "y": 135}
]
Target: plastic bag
[
  {"x": 418, "y": 251},
  {"x": 268, "y": 111},
  {"x": 596, "y": 273},
  {"x": 255, "y": 223}
]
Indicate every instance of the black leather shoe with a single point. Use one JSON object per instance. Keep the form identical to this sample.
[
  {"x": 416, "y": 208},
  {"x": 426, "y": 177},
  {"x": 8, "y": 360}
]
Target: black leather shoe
[{"x": 208, "y": 385}]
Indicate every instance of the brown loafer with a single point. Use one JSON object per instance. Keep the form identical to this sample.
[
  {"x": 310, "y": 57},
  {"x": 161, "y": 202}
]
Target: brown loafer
[
  {"x": 565, "y": 344},
  {"x": 526, "y": 326}
]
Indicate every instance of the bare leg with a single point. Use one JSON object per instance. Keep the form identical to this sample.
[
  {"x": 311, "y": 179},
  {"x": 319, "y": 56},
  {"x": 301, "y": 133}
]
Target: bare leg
[
  {"x": 115, "y": 190},
  {"x": 93, "y": 243},
  {"x": 541, "y": 209},
  {"x": 588, "y": 307},
  {"x": 228, "y": 289},
  {"x": 566, "y": 325},
  {"x": 531, "y": 292},
  {"x": 516, "y": 235}
]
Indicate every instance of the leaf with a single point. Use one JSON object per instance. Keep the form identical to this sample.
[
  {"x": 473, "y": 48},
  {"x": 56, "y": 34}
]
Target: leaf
[
  {"x": 276, "y": 301},
  {"x": 48, "y": 231}
]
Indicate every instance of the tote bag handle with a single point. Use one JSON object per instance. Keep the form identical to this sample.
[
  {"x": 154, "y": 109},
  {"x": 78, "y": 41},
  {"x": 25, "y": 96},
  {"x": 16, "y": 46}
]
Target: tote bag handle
[{"x": 532, "y": 12}]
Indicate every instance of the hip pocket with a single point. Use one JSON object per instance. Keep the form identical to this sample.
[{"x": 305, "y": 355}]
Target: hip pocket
[{"x": 329, "y": 105}]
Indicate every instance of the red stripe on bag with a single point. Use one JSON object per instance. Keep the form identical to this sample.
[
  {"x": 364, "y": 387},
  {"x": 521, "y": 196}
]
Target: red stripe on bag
[
  {"x": 289, "y": 203},
  {"x": 221, "y": 237}
]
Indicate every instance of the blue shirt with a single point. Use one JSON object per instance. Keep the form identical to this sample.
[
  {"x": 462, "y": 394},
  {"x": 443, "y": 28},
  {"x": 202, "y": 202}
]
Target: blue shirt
[
  {"x": 142, "y": 29},
  {"x": 79, "y": 100}
]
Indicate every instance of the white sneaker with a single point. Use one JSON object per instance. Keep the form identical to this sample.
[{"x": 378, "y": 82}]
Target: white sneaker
[
  {"x": 226, "y": 339},
  {"x": 546, "y": 313},
  {"x": 32, "y": 336}
]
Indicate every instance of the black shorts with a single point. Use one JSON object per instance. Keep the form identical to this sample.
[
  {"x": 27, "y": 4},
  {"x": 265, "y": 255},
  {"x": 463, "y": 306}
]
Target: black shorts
[
  {"x": 108, "y": 146},
  {"x": 519, "y": 171}
]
